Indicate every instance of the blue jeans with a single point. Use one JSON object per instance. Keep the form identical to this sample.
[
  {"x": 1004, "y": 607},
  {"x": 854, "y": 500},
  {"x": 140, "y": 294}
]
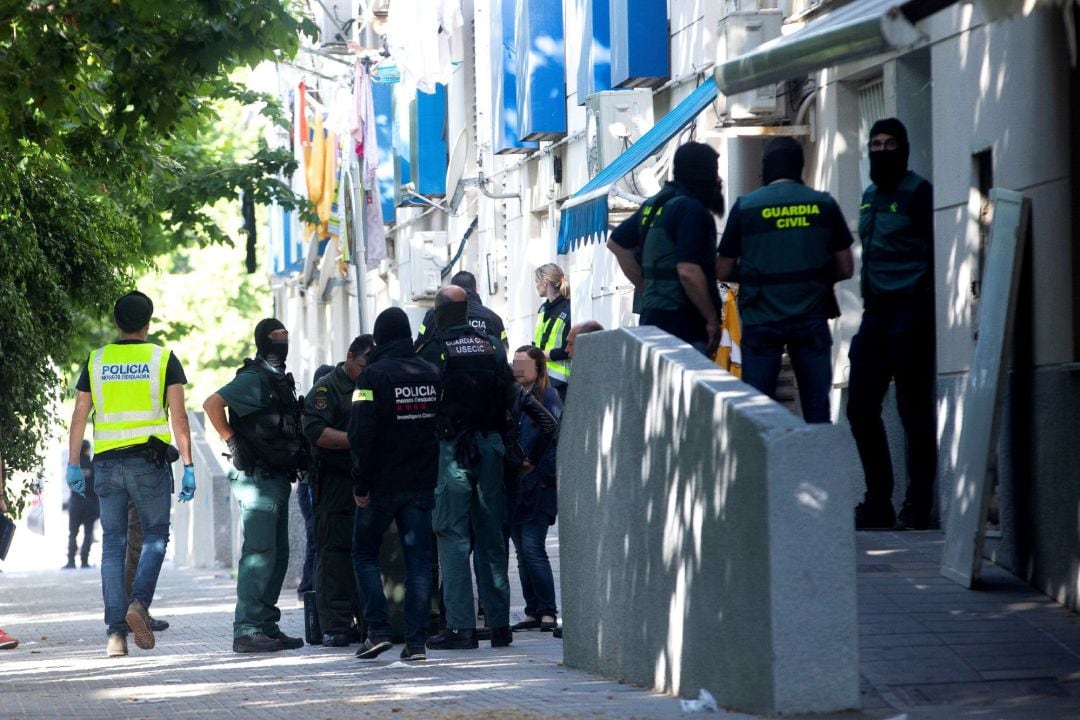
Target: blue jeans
[
  {"x": 537, "y": 582},
  {"x": 809, "y": 344},
  {"x": 149, "y": 486},
  {"x": 412, "y": 513}
]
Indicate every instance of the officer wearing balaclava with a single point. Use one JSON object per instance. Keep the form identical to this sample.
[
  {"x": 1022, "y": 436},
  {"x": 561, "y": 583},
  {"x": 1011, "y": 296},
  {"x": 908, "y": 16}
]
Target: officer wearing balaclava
[
  {"x": 896, "y": 338},
  {"x": 791, "y": 243},
  {"x": 477, "y": 391},
  {"x": 263, "y": 434},
  {"x": 666, "y": 249}
]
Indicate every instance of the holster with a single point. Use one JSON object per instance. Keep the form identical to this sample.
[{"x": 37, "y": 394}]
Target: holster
[{"x": 161, "y": 452}]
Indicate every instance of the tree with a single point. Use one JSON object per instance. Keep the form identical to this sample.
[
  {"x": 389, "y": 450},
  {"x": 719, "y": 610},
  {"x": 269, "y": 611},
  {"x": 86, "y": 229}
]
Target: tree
[{"x": 104, "y": 164}]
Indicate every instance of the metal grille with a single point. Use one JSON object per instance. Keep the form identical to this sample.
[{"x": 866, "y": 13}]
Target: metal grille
[{"x": 871, "y": 109}]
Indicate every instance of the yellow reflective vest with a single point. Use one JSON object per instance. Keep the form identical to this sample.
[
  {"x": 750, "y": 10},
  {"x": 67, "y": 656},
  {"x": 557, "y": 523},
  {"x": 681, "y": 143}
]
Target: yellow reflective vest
[
  {"x": 127, "y": 384},
  {"x": 549, "y": 334}
]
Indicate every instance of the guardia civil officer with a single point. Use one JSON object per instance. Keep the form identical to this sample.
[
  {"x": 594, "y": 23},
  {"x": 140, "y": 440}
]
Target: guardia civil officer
[
  {"x": 134, "y": 389},
  {"x": 792, "y": 245},
  {"x": 896, "y": 337},
  {"x": 666, "y": 249},
  {"x": 484, "y": 319},
  {"x": 477, "y": 391},
  {"x": 395, "y": 462},
  {"x": 326, "y": 424},
  {"x": 264, "y": 437}
]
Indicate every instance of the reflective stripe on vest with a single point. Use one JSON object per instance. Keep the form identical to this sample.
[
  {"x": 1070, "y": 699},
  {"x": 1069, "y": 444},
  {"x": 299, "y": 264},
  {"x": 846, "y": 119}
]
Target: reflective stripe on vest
[
  {"x": 127, "y": 384},
  {"x": 557, "y": 370}
]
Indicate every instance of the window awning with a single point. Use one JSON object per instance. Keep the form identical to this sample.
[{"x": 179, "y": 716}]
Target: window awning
[
  {"x": 859, "y": 29},
  {"x": 585, "y": 214}
]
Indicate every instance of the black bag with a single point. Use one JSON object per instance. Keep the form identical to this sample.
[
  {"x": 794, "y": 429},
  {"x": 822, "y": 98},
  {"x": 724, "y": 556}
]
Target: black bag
[{"x": 7, "y": 531}]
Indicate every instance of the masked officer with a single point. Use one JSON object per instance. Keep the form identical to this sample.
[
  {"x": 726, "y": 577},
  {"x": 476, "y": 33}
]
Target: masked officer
[
  {"x": 134, "y": 388},
  {"x": 477, "y": 391},
  {"x": 484, "y": 319},
  {"x": 395, "y": 462},
  {"x": 666, "y": 249},
  {"x": 896, "y": 337},
  {"x": 792, "y": 244},
  {"x": 264, "y": 438},
  {"x": 326, "y": 421}
]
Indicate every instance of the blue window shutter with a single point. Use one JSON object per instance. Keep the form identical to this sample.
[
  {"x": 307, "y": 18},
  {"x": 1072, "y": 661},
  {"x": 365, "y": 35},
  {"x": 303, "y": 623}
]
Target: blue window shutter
[
  {"x": 429, "y": 151},
  {"x": 541, "y": 70},
  {"x": 594, "y": 65},
  {"x": 639, "y": 43},
  {"x": 384, "y": 134},
  {"x": 504, "y": 80}
]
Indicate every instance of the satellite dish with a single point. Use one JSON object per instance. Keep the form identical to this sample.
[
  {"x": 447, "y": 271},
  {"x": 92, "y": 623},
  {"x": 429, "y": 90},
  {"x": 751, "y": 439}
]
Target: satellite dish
[{"x": 455, "y": 169}]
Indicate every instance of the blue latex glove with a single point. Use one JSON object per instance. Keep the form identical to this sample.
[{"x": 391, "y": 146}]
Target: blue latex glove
[
  {"x": 76, "y": 480},
  {"x": 187, "y": 484}
]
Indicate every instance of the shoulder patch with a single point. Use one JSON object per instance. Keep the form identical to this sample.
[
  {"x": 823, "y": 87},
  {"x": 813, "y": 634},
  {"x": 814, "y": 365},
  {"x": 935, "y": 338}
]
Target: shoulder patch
[
  {"x": 321, "y": 389},
  {"x": 319, "y": 403},
  {"x": 363, "y": 395}
]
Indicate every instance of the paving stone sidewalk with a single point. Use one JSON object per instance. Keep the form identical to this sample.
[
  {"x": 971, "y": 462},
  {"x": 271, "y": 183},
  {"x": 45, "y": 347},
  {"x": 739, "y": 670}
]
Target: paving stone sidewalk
[{"x": 929, "y": 649}]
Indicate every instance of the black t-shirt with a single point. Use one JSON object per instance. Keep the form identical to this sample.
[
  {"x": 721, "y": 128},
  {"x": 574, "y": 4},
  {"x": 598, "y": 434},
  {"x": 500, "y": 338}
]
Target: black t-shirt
[{"x": 174, "y": 371}]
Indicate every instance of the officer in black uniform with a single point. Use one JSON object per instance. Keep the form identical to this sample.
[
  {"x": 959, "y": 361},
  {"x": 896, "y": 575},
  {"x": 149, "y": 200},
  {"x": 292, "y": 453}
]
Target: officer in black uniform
[
  {"x": 896, "y": 337},
  {"x": 666, "y": 249},
  {"x": 792, "y": 243},
  {"x": 478, "y": 389},
  {"x": 326, "y": 422},
  {"x": 484, "y": 319},
  {"x": 395, "y": 462},
  {"x": 263, "y": 432}
]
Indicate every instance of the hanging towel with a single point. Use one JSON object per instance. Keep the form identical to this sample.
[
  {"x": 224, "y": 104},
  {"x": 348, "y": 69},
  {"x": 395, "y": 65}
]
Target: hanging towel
[
  {"x": 729, "y": 354},
  {"x": 367, "y": 147}
]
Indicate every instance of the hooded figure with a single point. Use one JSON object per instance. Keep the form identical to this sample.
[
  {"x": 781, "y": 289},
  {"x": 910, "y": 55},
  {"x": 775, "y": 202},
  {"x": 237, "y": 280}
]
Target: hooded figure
[
  {"x": 269, "y": 350},
  {"x": 782, "y": 160},
  {"x": 889, "y": 165},
  {"x": 696, "y": 169}
]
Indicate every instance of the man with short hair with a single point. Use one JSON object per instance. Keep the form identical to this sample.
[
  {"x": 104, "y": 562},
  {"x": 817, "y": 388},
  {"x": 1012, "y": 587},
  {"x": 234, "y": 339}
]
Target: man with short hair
[
  {"x": 263, "y": 433},
  {"x": 792, "y": 244},
  {"x": 395, "y": 454},
  {"x": 484, "y": 319},
  {"x": 589, "y": 326},
  {"x": 326, "y": 424},
  {"x": 134, "y": 389},
  {"x": 896, "y": 337},
  {"x": 478, "y": 388}
]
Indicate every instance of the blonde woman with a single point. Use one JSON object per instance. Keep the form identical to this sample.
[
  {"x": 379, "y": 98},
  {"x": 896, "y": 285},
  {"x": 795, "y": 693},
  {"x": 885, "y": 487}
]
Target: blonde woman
[{"x": 553, "y": 324}]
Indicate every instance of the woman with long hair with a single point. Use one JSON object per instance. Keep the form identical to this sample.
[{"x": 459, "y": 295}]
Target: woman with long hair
[
  {"x": 553, "y": 324},
  {"x": 538, "y": 502}
]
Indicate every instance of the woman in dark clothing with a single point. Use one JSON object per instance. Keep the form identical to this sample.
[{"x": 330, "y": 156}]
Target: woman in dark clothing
[
  {"x": 83, "y": 511},
  {"x": 537, "y": 502}
]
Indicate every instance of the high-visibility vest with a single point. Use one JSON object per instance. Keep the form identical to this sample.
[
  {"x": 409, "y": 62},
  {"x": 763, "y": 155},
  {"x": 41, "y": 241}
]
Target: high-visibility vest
[
  {"x": 549, "y": 332},
  {"x": 127, "y": 384}
]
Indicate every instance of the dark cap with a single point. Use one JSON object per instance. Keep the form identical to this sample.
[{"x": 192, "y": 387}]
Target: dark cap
[
  {"x": 392, "y": 324},
  {"x": 133, "y": 311}
]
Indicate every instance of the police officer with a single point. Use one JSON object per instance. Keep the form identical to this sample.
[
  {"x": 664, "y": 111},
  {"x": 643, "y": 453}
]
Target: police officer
[
  {"x": 666, "y": 249},
  {"x": 553, "y": 323},
  {"x": 395, "y": 459},
  {"x": 326, "y": 422},
  {"x": 478, "y": 389},
  {"x": 792, "y": 244},
  {"x": 264, "y": 438},
  {"x": 134, "y": 388},
  {"x": 896, "y": 337},
  {"x": 484, "y": 319}
]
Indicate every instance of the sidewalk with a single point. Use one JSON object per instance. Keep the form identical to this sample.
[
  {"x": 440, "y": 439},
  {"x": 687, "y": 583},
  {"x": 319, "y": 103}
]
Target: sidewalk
[{"x": 929, "y": 649}]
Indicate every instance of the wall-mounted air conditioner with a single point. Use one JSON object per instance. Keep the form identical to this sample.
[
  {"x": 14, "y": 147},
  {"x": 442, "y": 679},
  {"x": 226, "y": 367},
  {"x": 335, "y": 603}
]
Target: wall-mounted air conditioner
[
  {"x": 614, "y": 120},
  {"x": 428, "y": 255},
  {"x": 334, "y": 18},
  {"x": 740, "y": 32}
]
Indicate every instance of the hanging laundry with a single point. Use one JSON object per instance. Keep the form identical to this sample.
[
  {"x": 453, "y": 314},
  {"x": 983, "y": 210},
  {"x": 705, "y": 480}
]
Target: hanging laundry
[
  {"x": 729, "y": 354},
  {"x": 419, "y": 35},
  {"x": 367, "y": 148}
]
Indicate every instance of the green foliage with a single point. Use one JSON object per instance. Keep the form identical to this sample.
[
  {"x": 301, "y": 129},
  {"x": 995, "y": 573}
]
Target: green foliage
[{"x": 110, "y": 152}]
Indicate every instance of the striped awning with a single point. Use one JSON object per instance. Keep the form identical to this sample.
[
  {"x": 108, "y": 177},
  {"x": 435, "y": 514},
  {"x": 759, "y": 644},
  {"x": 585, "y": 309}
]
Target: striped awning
[{"x": 585, "y": 214}]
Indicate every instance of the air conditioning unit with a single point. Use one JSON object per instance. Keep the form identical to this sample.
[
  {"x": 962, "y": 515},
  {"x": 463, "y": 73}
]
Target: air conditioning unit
[
  {"x": 739, "y": 33},
  {"x": 614, "y": 120},
  {"x": 428, "y": 255},
  {"x": 335, "y": 22}
]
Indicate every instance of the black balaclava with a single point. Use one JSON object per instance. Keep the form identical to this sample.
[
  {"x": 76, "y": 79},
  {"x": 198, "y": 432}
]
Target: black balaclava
[
  {"x": 695, "y": 168},
  {"x": 273, "y": 353},
  {"x": 392, "y": 324},
  {"x": 888, "y": 167},
  {"x": 133, "y": 311},
  {"x": 451, "y": 315},
  {"x": 782, "y": 160}
]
